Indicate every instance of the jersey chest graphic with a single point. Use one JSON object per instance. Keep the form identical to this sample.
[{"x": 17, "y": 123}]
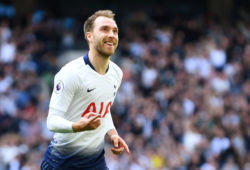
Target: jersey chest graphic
[
  {"x": 99, "y": 93},
  {"x": 103, "y": 110},
  {"x": 104, "y": 88},
  {"x": 89, "y": 90}
]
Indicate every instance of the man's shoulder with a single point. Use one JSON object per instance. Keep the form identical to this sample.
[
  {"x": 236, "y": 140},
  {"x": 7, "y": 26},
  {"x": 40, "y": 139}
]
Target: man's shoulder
[
  {"x": 75, "y": 64},
  {"x": 116, "y": 68},
  {"x": 72, "y": 68}
]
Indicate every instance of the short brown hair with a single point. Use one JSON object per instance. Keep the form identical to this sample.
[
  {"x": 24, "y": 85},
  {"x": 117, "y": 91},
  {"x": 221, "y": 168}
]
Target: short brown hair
[{"x": 88, "y": 24}]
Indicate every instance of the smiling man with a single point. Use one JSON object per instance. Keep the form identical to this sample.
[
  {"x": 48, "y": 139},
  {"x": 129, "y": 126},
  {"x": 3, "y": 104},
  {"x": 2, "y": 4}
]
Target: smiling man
[{"x": 79, "y": 110}]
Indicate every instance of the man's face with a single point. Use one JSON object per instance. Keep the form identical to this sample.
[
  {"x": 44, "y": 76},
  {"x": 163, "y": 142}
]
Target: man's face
[{"x": 104, "y": 36}]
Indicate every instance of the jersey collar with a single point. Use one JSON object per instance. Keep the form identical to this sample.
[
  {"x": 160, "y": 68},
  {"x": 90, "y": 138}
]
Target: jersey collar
[{"x": 87, "y": 61}]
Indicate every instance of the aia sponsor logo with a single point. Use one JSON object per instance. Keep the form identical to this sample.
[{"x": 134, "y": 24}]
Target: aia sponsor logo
[{"x": 103, "y": 112}]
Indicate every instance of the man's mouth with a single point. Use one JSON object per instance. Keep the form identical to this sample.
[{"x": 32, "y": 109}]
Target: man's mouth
[{"x": 110, "y": 43}]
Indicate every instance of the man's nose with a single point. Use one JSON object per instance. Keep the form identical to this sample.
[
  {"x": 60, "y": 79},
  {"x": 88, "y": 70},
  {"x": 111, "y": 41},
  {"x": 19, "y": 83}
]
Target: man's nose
[{"x": 111, "y": 34}]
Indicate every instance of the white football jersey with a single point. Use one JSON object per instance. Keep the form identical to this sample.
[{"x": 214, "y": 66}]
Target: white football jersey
[{"x": 79, "y": 89}]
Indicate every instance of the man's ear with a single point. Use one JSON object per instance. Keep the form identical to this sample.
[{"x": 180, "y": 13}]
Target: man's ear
[{"x": 88, "y": 36}]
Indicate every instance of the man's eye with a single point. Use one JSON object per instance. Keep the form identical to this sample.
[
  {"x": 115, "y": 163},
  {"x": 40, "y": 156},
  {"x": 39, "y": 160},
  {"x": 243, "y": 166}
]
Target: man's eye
[{"x": 105, "y": 29}]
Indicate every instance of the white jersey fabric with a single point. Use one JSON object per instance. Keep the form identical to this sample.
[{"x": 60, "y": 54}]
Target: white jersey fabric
[{"x": 78, "y": 89}]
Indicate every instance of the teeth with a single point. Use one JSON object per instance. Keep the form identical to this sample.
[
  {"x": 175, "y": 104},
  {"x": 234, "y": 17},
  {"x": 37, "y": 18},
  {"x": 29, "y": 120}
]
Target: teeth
[{"x": 109, "y": 43}]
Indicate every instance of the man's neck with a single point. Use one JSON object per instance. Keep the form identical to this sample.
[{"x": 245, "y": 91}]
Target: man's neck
[{"x": 99, "y": 62}]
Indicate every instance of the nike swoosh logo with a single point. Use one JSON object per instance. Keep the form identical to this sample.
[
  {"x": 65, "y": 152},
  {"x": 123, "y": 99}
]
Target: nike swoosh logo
[{"x": 89, "y": 90}]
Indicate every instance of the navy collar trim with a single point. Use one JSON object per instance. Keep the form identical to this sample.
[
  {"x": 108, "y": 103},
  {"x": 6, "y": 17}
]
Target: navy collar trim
[{"x": 87, "y": 61}]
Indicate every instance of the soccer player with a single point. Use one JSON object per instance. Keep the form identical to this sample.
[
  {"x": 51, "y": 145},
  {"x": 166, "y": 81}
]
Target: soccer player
[{"x": 79, "y": 110}]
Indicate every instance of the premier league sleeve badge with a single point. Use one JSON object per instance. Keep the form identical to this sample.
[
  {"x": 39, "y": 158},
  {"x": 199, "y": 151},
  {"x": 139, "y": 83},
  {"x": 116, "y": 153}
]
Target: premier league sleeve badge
[{"x": 58, "y": 87}]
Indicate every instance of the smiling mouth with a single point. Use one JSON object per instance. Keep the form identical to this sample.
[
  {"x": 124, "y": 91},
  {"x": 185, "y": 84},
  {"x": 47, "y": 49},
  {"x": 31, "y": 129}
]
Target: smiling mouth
[{"x": 110, "y": 43}]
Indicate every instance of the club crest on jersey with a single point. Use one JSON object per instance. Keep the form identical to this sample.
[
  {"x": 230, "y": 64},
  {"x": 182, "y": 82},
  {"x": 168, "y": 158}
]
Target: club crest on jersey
[{"x": 59, "y": 86}]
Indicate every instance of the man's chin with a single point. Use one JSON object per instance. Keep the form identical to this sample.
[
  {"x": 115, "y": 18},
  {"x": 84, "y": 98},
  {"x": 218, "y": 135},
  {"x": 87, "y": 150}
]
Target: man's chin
[{"x": 107, "y": 54}]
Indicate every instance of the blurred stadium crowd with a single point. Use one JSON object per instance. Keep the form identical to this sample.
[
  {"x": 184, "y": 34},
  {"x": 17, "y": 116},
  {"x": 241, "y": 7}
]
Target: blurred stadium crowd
[{"x": 183, "y": 103}]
